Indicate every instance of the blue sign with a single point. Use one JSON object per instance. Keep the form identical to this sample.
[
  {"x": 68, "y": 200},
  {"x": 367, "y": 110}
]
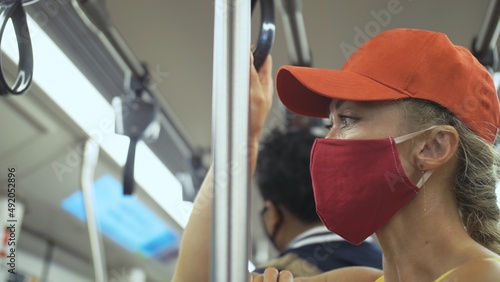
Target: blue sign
[{"x": 125, "y": 220}]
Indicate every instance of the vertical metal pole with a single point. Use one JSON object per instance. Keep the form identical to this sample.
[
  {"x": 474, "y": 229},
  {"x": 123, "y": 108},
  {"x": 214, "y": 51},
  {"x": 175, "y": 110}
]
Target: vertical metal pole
[
  {"x": 90, "y": 157},
  {"x": 47, "y": 260},
  {"x": 230, "y": 130}
]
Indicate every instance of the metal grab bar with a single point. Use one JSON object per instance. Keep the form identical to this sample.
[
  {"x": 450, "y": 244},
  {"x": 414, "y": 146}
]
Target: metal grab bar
[
  {"x": 295, "y": 33},
  {"x": 89, "y": 164},
  {"x": 484, "y": 45},
  {"x": 267, "y": 32},
  {"x": 141, "y": 95},
  {"x": 13, "y": 10}
]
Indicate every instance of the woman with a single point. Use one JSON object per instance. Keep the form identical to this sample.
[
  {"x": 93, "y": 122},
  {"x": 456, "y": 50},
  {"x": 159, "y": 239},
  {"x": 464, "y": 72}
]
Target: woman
[{"x": 413, "y": 122}]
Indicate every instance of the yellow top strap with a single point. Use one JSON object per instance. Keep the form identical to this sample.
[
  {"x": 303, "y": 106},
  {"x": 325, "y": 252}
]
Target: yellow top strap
[
  {"x": 448, "y": 273},
  {"x": 381, "y": 279},
  {"x": 444, "y": 275}
]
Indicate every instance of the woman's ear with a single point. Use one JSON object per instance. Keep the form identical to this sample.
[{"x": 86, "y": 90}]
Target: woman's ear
[{"x": 440, "y": 145}]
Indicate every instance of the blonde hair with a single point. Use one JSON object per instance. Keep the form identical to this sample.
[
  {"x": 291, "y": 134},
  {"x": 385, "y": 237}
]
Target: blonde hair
[{"x": 477, "y": 172}]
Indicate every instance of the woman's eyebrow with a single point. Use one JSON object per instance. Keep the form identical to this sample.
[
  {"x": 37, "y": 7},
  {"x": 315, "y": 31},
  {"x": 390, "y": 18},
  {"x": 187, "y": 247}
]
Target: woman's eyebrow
[{"x": 337, "y": 105}]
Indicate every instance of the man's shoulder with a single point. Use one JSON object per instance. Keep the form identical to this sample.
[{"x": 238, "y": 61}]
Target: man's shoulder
[
  {"x": 336, "y": 254},
  {"x": 294, "y": 263}
]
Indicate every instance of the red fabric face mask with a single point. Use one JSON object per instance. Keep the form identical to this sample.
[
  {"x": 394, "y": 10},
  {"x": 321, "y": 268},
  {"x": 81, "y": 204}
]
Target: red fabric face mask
[{"x": 360, "y": 184}]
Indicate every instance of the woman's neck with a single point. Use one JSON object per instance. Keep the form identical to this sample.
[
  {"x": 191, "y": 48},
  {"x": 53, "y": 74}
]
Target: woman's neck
[{"x": 426, "y": 238}]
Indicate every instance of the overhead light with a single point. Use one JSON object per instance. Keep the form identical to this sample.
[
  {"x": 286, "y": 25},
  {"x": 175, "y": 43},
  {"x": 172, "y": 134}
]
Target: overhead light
[{"x": 63, "y": 82}]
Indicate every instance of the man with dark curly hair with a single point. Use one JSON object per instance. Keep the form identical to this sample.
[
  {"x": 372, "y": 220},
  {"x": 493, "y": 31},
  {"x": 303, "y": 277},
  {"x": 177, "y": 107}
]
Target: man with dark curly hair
[{"x": 289, "y": 215}]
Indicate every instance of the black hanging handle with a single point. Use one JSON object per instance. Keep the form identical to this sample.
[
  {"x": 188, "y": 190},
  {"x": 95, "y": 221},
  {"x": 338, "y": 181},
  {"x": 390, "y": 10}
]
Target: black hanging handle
[
  {"x": 134, "y": 116},
  {"x": 128, "y": 170},
  {"x": 13, "y": 10},
  {"x": 266, "y": 34}
]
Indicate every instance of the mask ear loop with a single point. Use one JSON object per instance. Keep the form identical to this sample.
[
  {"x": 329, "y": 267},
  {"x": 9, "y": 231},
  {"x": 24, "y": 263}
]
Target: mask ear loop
[
  {"x": 424, "y": 178},
  {"x": 407, "y": 137}
]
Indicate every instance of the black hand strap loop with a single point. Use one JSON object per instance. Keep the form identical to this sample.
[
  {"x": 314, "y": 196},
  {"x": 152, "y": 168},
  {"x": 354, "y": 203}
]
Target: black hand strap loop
[
  {"x": 267, "y": 32},
  {"x": 14, "y": 11}
]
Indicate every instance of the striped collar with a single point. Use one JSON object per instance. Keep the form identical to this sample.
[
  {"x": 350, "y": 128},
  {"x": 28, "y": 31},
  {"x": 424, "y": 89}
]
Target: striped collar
[{"x": 315, "y": 235}]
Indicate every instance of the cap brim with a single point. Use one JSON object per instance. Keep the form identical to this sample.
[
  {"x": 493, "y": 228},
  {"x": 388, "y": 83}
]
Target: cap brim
[{"x": 309, "y": 91}]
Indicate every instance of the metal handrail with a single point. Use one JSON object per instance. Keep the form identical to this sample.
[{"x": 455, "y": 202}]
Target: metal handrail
[
  {"x": 484, "y": 45},
  {"x": 96, "y": 17},
  {"x": 295, "y": 33},
  {"x": 89, "y": 164}
]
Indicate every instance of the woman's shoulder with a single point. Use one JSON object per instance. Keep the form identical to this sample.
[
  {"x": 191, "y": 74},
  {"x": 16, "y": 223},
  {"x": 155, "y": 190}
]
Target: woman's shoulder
[{"x": 486, "y": 270}]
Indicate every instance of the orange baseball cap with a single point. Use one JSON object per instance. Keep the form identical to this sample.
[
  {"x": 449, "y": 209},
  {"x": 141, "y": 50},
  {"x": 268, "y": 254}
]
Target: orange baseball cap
[{"x": 399, "y": 64}]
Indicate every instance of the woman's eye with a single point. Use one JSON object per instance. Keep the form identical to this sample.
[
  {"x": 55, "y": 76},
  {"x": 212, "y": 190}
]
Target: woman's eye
[
  {"x": 329, "y": 125},
  {"x": 347, "y": 121}
]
